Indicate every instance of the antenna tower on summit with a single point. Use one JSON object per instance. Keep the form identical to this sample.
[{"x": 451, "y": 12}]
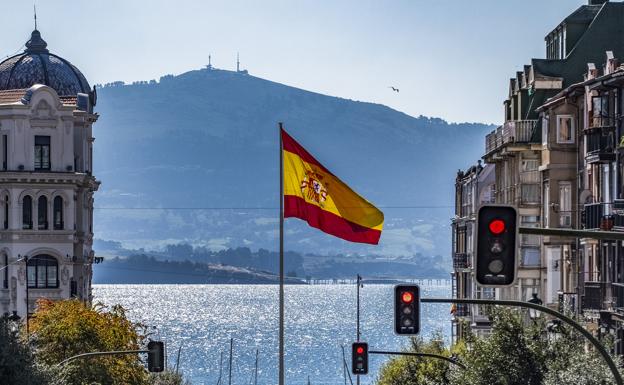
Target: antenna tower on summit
[
  {"x": 237, "y": 62},
  {"x": 35, "y": 12}
]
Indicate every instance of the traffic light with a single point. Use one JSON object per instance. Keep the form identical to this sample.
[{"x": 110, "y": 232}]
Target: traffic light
[
  {"x": 359, "y": 358},
  {"x": 406, "y": 309},
  {"x": 497, "y": 230},
  {"x": 156, "y": 356}
]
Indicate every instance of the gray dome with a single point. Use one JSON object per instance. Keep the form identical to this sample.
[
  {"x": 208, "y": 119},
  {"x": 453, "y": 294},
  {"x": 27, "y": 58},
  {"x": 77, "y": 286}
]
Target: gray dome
[{"x": 36, "y": 65}]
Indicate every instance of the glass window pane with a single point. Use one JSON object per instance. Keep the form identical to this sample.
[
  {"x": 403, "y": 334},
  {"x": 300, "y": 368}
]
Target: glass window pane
[
  {"x": 530, "y": 257},
  {"x": 31, "y": 276},
  {"x": 51, "y": 276},
  {"x": 41, "y": 276}
]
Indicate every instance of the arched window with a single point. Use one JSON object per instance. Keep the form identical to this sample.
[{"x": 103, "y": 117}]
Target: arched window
[
  {"x": 5, "y": 281},
  {"x": 5, "y": 218},
  {"x": 42, "y": 272},
  {"x": 27, "y": 219},
  {"x": 42, "y": 213},
  {"x": 58, "y": 213}
]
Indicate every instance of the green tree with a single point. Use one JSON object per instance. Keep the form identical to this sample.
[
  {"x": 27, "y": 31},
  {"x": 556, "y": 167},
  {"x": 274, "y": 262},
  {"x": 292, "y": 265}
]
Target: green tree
[
  {"x": 62, "y": 329},
  {"x": 511, "y": 355},
  {"x": 409, "y": 370},
  {"x": 17, "y": 364}
]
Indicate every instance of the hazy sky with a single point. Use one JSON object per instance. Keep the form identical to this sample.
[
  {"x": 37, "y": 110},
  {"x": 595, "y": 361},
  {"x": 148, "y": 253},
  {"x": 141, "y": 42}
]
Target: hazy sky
[{"x": 449, "y": 58}]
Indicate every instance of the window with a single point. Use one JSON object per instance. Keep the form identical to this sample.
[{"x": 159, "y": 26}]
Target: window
[
  {"x": 42, "y": 272},
  {"x": 530, "y": 256},
  {"x": 5, "y": 149},
  {"x": 27, "y": 221},
  {"x": 565, "y": 204},
  {"x": 42, "y": 152},
  {"x": 5, "y": 281},
  {"x": 5, "y": 222},
  {"x": 42, "y": 213},
  {"x": 529, "y": 221},
  {"x": 58, "y": 213},
  {"x": 600, "y": 111},
  {"x": 545, "y": 130},
  {"x": 565, "y": 129}
]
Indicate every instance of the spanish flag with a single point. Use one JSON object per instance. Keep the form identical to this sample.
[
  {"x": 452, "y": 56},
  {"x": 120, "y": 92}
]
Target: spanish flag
[{"x": 312, "y": 193}]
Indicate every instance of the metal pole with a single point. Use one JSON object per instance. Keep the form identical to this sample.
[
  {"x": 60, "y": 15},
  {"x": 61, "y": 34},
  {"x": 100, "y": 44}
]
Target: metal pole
[
  {"x": 26, "y": 270},
  {"x": 428, "y": 355},
  {"x": 357, "y": 377},
  {"x": 547, "y": 310},
  {"x": 231, "y": 347},
  {"x": 256, "y": 370},
  {"x": 281, "y": 259},
  {"x": 92, "y": 354},
  {"x": 594, "y": 234},
  {"x": 357, "y": 337}
]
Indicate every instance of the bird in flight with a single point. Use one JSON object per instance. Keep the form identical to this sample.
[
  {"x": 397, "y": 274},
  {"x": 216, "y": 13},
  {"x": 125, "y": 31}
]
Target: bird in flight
[{"x": 394, "y": 89}]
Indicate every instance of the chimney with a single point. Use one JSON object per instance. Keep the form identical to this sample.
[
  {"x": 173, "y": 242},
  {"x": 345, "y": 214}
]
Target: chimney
[{"x": 597, "y": 2}]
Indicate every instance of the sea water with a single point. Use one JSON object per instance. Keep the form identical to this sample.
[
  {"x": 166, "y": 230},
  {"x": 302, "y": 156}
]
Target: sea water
[{"x": 200, "y": 320}]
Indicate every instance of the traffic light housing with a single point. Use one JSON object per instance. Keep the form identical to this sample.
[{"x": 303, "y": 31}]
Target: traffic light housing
[
  {"x": 406, "y": 309},
  {"x": 359, "y": 358},
  {"x": 155, "y": 356},
  {"x": 497, "y": 233}
]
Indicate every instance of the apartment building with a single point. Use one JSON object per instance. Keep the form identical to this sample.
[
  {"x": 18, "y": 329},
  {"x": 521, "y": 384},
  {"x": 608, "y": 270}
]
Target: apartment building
[
  {"x": 555, "y": 158},
  {"x": 473, "y": 187}
]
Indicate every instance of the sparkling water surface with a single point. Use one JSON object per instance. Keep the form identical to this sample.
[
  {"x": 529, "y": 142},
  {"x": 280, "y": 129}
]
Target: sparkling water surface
[{"x": 201, "y": 319}]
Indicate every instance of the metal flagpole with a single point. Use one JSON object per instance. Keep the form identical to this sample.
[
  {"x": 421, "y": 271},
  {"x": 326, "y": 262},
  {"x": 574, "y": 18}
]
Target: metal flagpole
[{"x": 281, "y": 260}]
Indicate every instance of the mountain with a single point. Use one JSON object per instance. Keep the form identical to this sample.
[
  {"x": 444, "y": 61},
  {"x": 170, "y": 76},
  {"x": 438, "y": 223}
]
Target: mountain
[{"x": 203, "y": 148}]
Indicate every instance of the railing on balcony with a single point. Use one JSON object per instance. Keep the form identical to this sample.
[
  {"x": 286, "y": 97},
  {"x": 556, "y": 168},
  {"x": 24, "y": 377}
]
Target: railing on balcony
[
  {"x": 593, "y": 215},
  {"x": 596, "y": 293},
  {"x": 601, "y": 145},
  {"x": 617, "y": 290},
  {"x": 513, "y": 131},
  {"x": 460, "y": 261},
  {"x": 601, "y": 121}
]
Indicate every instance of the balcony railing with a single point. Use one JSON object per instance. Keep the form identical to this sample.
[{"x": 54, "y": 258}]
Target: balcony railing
[
  {"x": 513, "y": 131},
  {"x": 460, "y": 261},
  {"x": 600, "y": 145},
  {"x": 618, "y": 295},
  {"x": 594, "y": 216},
  {"x": 601, "y": 121},
  {"x": 596, "y": 293}
]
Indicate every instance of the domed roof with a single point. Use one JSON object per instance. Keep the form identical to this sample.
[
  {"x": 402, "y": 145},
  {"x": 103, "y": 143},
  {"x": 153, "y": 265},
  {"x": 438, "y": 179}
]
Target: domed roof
[{"x": 36, "y": 65}]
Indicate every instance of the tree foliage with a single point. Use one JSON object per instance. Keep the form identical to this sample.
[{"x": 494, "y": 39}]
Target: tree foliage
[
  {"x": 517, "y": 352},
  {"x": 63, "y": 329},
  {"x": 17, "y": 364}
]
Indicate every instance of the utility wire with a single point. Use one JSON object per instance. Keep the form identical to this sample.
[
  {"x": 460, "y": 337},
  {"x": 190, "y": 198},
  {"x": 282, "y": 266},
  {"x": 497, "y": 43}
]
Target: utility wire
[{"x": 256, "y": 208}]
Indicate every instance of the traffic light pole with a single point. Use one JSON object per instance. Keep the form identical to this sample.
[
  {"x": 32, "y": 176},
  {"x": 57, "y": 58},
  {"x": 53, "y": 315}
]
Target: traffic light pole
[
  {"x": 429, "y": 355},
  {"x": 544, "y": 309},
  {"x": 594, "y": 234},
  {"x": 113, "y": 353}
]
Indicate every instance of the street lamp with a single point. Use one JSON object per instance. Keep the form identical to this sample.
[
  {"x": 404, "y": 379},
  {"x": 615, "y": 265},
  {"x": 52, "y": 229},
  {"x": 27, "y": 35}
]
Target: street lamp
[{"x": 533, "y": 313}]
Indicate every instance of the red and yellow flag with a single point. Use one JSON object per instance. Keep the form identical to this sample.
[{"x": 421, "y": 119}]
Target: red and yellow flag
[{"x": 314, "y": 194}]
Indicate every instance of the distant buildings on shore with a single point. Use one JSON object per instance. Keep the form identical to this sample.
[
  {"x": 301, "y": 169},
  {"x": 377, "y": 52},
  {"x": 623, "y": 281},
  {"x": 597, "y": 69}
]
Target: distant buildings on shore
[{"x": 559, "y": 158}]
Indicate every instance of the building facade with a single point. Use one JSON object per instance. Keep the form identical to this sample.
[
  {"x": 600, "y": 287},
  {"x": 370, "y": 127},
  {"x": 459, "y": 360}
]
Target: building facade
[
  {"x": 473, "y": 188},
  {"x": 557, "y": 159},
  {"x": 46, "y": 180}
]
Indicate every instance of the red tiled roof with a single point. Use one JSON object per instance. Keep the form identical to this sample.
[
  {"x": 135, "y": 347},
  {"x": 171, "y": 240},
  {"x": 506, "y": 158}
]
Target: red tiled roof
[{"x": 11, "y": 96}]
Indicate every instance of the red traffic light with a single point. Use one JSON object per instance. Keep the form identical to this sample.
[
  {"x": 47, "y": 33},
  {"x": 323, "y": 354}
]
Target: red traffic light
[
  {"x": 359, "y": 350},
  {"x": 407, "y": 297},
  {"x": 497, "y": 226}
]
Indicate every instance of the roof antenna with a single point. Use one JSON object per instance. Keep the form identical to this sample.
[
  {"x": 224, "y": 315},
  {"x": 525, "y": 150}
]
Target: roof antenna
[{"x": 35, "y": 10}]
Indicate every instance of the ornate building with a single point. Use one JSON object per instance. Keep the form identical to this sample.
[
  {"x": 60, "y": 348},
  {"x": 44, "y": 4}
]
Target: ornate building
[{"x": 46, "y": 184}]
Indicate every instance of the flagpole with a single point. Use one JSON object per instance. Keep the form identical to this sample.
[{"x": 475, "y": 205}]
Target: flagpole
[{"x": 281, "y": 261}]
